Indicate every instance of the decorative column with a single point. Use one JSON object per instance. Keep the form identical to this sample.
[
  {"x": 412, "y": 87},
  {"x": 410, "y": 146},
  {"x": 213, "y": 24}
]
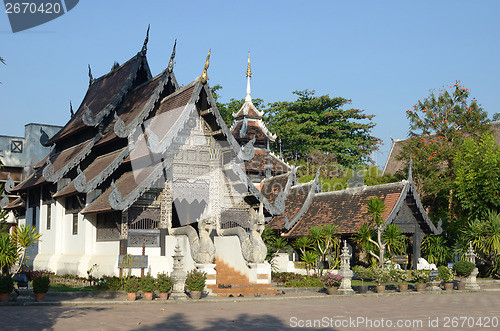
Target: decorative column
[
  {"x": 165, "y": 216},
  {"x": 178, "y": 276},
  {"x": 471, "y": 281},
  {"x": 345, "y": 271}
]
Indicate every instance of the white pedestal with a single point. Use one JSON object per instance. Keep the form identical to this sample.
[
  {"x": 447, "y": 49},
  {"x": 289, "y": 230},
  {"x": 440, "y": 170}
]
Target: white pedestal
[{"x": 260, "y": 273}]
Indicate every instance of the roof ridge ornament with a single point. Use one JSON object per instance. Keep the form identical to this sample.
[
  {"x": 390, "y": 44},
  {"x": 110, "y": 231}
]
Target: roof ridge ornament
[
  {"x": 145, "y": 45},
  {"x": 248, "y": 98},
  {"x": 9, "y": 185},
  {"x": 410, "y": 175},
  {"x": 91, "y": 78},
  {"x": 44, "y": 137},
  {"x": 204, "y": 76},
  {"x": 71, "y": 109},
  {"x": 170, "y": 67},
  {"x": 80, "y": 182}
]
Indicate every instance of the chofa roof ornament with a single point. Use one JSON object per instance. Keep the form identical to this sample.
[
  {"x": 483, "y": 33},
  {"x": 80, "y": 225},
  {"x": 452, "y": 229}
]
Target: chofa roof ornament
[
  {"x": 145, "y": 45},
  {"x": 204, "y": 76},
  {"x": 170, "y": 67}
]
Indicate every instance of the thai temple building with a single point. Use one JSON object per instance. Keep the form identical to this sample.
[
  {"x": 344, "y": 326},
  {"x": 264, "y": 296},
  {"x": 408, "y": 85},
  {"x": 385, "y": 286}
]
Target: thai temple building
[{"x": 145, "y": 164}]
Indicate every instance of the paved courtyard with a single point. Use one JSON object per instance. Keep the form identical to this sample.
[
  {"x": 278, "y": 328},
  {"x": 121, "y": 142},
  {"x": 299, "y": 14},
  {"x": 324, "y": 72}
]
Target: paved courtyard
[{"x": 412, "y": 311}]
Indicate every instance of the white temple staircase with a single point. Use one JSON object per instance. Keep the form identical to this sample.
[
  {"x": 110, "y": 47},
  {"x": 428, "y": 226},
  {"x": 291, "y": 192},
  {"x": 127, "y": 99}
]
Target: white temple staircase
[{"x": 230, "y": 282}]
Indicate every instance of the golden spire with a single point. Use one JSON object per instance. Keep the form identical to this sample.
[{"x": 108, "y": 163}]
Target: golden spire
[
  {"x": 249, "y": 72},
  {"x": 204, "y": 76}
]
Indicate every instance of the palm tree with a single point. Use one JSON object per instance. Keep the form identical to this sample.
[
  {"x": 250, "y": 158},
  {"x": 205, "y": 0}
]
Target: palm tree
[
  {"x": 376, "y": 208},
  {"x": 9, "y": 253},
  {"x": 362, "y": 237},
  {"x": 396, "y": 241},
  {"x": 310, "y": 259},
  {"x": 435, "y": 250},
  {"x": 23, "y": 237},
  {"x": 302, "y": 244}
]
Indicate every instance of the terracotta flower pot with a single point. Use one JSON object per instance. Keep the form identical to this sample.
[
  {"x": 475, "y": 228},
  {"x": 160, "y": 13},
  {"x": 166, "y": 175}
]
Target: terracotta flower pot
[
  {"x": 148, "y": 296},
  {"x": 163, "y": 295},
  {"x": 332, "y": 290},
  {"x": 195, "y": 295},
  {"x": 131, "y": 296},
  {"x": 461, "y": 286},
  {"x": 4, "y": 297},
  {"x": 380, "y": 288},
  {"x": 403, "y": 287},
  {"x": 420, "y": 287},
  {"x": 448, "y": 286},
  {"x": 39, "y": 297}
]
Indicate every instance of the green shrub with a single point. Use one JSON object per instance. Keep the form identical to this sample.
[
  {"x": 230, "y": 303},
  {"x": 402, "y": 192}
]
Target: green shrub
[
  {"x": 463, "y": 268},
  {"x": 6, "y": 284},
  {"x": 41, "y": 284},
  {"x": 379, "y": 275},
  {"x": 147, "y": 284},
  {"x": 164, "y": 282},
  {"x": 195, "y": 280},
  {"x": 446, "y": 274},
  {"x": 420, "y": 276},
  {"x": 398, "y": 275},
  {"x": 131, "y": 285}
]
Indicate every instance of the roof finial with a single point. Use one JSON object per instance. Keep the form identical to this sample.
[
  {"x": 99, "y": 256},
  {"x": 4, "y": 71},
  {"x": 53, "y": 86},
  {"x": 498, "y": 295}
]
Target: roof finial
[
  {"x": 248, "y": 98},
  {"x": 249, "y": 71},
  {"x": 204, "y": 76},
  {"x": 91, "y": 79},
  {"x": 170, "y": 67},
  {"x": 145, "y": 45},
  {"x": 71, "y": 109},
  {"x": 410, "y": 175}
]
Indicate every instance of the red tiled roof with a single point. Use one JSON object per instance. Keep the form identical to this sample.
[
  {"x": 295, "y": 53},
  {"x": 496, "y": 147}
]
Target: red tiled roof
[
  {"x": 293, "y": 203},
  {"x": 346, "y": 208},
  {"x": 270, "y": 188},
  {"x": 253, "y": 130},
  {"x": 257, "y": 163}
]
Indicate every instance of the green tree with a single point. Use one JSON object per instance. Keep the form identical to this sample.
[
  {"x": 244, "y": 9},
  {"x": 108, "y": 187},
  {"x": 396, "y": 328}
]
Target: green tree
[
  {"x": 435, "y": 249},
  {"x": 484, "y": 234},
  {"x": 376, "y": 208},
  {"x": 313, "y": 123},
  {"x": 438, "y": 126},
  {"x": 396, "y": 242},
  {"x": 325, "y": 240},
  {"x": 23, "y": 237},
  {"x": 310, "y": 259},
  {"x": 496, "y": 117},
  {"x": 477, "y": 168},
  {"x": 364, "y": 244},
  {"x": 9, "y": 253},
  {"x": 302, "y": 244}
]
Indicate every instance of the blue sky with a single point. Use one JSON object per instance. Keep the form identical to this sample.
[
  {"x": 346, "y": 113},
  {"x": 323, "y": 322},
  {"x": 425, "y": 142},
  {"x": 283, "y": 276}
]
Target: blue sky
[{"x": 384, "y": 55}]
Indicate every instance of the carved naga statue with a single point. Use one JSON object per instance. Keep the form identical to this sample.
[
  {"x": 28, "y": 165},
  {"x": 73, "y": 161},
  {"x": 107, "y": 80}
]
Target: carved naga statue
[
  {"x": 202, "y": 247},
  {"x": 253, "y": 248}
]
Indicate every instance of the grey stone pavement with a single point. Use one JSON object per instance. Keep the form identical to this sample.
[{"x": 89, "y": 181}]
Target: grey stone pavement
[{"x": 455, "y": 310}]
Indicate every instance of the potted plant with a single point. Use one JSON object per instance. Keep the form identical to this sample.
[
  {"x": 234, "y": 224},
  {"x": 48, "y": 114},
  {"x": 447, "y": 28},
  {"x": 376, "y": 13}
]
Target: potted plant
[
  {"x": 420, "y": 277},
  {"x": 399, "y": 276},
  {"x": 380, "y": 275},
  {"x": 131, "y": 286},
  {"x": 164, "y": 284},
  {"x": 195, "y": 283},
  {"x": 463, "y": 269},
  {"x": 447, "y": 276},
  {"x": 331, "y": 282},
  {"x": 362, "y": 273},
  {"x": 147, "y": 284},
  {"x": 41, "y": 285},
  {"x": 6, "y": 287}
]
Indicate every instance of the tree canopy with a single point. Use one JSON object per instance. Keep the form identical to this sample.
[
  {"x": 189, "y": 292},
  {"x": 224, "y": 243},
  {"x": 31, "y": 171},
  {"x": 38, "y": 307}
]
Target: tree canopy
[
  {"x": 439, "y": 124},
  {"x": 318, "y": 123}
]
